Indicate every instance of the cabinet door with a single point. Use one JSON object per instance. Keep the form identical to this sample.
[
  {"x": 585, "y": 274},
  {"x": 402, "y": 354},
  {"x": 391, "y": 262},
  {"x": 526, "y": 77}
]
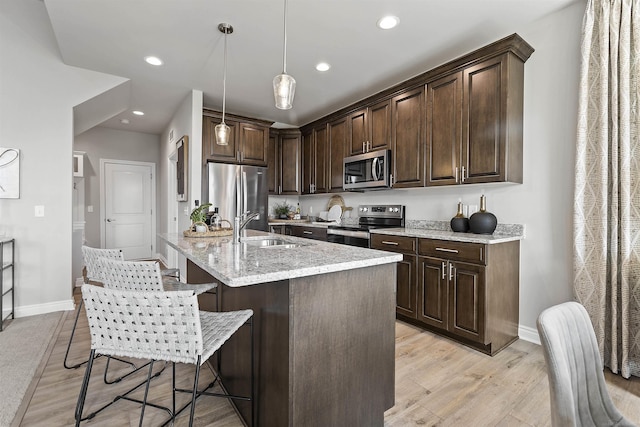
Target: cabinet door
[
  {"x": 406, "y": 290},
  {"x": 444, "y": 130},
  {"x": 337, "y": 142},
  {"x": 272, "y": 164},
  {"x": 407, "y": 139},
  {"x": 255, "y": 140},
  {"x": 433, "y": 292},
  {"x": 379, "y": 117},
  {"x": 358, "y": 132},
  {"x": 290, "y": 157},
  {"x": 308, "y": 161},
  {"x": 467, "y": 301},
  {"x": 484, "y": 125},
  {"x": 211, "y": 150},
  {"x": 322, "y": 151}
]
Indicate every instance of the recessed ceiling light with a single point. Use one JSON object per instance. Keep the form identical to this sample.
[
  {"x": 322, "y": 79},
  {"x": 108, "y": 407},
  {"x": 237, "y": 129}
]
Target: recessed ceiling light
[
  {"x": 138, "y": 113},
  {"x": 323, "y": 66},
  {"x": 124, "y": 121},
  {"x": 388, "y": 22},
  {"x": 153, "y": 60}
]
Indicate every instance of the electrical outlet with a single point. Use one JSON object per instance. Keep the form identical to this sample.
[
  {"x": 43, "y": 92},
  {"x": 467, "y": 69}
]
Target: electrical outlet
[
  {"x": 90, "y": 208},
  {"x": 39, "y": 210}
]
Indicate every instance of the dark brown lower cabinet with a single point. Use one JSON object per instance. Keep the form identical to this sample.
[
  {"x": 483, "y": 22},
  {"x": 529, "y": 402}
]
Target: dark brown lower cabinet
[
  {"x": 406, "y": 295},
  {"x": 315, "y": 233},
  {"x": 466, "y": 291},
  {"x": 470, "y": 291}
]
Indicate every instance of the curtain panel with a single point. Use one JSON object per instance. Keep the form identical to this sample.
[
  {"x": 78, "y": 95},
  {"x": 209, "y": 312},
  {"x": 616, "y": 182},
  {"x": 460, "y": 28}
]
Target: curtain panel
[{"x": 607, "y": 185}]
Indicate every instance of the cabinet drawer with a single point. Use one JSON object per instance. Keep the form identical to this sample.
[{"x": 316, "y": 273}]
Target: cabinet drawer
[
  {"x": 455, "y": 251},
  {"x": 393, "y": 243},
  {"x": 309, "y": 232}
]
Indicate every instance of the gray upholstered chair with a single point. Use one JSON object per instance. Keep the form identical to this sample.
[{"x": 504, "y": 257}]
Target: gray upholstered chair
[
  {"x": 578, "y": 391},
  {"x": 161, "y": 326}
]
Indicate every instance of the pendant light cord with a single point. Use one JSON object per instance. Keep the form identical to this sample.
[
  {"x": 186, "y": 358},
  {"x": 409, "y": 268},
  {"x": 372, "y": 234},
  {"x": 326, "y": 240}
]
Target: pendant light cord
[
  {"x": 224, "y": 76},
  {"x": 284, "y": 56}
]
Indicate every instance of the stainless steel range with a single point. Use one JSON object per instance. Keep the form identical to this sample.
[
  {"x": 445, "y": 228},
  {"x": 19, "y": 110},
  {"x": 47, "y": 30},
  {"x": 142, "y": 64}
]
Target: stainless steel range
[{"x": 370, "y": 217}]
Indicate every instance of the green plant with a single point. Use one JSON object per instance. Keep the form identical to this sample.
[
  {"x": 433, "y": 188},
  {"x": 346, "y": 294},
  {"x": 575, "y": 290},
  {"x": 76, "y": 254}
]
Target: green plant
[
  {"x": 281, "y": 209},
  {"x": 199, "y": 213}
]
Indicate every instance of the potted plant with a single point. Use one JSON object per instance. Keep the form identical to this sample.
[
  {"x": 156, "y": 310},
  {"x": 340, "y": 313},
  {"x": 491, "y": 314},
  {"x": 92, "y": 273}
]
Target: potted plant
[
  {"x": 199, "y": 217},
  {"x": 281, "y": 210}
]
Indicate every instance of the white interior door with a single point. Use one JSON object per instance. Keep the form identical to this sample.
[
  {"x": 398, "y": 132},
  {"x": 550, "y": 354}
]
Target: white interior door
[{"x": 128, "y": 197}]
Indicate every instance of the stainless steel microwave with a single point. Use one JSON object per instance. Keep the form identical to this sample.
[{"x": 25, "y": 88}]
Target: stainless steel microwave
[{"x": 368, "y": 171}]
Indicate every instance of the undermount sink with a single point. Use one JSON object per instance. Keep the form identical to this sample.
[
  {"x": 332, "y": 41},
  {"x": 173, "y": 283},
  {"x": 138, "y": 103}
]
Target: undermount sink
[{"x": 270, "y": 242}]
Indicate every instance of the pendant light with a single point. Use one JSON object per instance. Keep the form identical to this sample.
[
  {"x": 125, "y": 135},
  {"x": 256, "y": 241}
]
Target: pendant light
[
  {"x": 284, "y": 86},
  {"x": 222, "y": 130}
]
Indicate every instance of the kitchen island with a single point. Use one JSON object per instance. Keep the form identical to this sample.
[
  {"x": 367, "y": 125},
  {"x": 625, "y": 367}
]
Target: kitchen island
[{"x": 324, "y": 330}]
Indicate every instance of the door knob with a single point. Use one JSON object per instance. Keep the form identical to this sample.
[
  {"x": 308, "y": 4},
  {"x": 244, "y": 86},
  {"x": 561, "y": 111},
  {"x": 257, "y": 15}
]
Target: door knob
[{"x": 110, "y": 220}]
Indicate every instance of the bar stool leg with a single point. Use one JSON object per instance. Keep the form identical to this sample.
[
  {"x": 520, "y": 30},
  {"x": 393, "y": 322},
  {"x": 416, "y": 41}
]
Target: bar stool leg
[
  {"x": 83, "y": 388},
  {"x": 195, "y": 392}
]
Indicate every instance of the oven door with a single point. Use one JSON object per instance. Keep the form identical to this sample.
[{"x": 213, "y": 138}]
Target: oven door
[
  {"x": 348, "y": 237},
  {"x": 367, "y": 171}
]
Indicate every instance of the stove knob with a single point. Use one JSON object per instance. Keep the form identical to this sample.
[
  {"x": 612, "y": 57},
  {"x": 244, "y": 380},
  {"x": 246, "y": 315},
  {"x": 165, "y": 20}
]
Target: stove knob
[
  {"x": 396, "y": 210},
  {"x": 365, "y": 209},
  {"x": 390, "y": 209}
]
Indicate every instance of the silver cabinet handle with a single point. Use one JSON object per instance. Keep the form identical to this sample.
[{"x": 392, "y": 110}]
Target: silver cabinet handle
[
  {"x": 307, "y": 232},
  {"x": 451, "y": 272},
  {"x": 444, "y": 270},
  {"x": 462, "y": 175},
  {"x": 453, "y": 251},
  {"x": 390, "y": 243},
  {"x": 368, "y": 146},
  {"x": 363, "y": 149},
  {"x": 456, "y": 174}
]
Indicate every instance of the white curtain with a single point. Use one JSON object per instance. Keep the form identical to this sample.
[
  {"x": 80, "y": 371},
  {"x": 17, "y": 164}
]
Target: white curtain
[{"x": 607, "y": 187}]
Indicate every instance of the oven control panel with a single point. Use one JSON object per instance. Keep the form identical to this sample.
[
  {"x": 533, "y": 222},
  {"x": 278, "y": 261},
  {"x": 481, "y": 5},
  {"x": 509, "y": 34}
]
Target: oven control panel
[{"x": 381, "y": 211}]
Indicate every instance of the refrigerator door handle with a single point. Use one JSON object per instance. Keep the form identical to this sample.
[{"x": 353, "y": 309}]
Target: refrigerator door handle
[
  {"x": 239, "y": 206},
  {"x": 244, "y": 192}
]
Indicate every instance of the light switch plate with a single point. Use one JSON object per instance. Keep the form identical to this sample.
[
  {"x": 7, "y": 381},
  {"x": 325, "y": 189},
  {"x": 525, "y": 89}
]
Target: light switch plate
[{"x": 39, "y": 210}]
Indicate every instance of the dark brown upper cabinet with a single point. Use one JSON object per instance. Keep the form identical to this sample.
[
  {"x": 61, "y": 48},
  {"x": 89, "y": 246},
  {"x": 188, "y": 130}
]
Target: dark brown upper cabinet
[
  {"x": 285, "y": 161},
  {"x": 337, "y": 144},
  {"x": 407, "y": 139},
  {"x": 474, "y": 123},
  {"x": 370, "y": 128},
  {"x": 248, "y": 140},
  {"x": 314, "y": 154}
]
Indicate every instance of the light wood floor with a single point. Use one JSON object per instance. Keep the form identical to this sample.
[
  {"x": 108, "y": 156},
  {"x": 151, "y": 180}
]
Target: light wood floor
[{"x": 438, "y": 382}]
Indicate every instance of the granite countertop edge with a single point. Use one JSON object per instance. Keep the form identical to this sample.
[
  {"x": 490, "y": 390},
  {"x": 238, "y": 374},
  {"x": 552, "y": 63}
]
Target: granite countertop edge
[
  {"x": 448, "y": 235},
  {"x": 236, "y": 265}
]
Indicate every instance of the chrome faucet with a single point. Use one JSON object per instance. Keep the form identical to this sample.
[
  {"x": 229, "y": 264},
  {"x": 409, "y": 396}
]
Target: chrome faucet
[{"x": 241, "y": 222}]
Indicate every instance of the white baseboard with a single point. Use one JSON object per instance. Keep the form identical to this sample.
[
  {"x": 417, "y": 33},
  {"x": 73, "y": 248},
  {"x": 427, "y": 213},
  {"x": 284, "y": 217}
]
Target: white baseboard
[
  {"x": 528, "y": 334},
  {"x": 32, "y": 310},
  {"x": 161, "y": 258}
]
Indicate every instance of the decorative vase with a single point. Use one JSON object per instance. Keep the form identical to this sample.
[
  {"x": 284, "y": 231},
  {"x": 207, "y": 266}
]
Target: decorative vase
[
  {"x": 483, "y": 222},
  {"x": 460, "y": 223},
  {"x": 201, "y": 227}
]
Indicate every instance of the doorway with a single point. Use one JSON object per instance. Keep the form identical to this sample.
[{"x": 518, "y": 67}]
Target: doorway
[{"x": 128, "y": 198}]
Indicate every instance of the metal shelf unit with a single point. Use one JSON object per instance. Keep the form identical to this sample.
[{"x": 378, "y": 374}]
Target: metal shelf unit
[{"x": 7, "y": 265}]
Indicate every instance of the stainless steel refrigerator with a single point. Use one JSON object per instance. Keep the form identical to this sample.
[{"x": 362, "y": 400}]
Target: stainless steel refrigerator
[{"x": 235, "y": 189}]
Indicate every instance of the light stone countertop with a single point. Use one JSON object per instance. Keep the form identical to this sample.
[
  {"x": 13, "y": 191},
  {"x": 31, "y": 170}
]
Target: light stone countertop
[
  {"x": 301, "y": 223},
  {"x": 452, "y": 236},
  {"x": 245, "y": 264}
]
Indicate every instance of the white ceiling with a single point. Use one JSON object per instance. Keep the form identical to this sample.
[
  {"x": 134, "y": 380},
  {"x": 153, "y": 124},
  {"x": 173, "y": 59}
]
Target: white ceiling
[{"x": 113, "y": 37}]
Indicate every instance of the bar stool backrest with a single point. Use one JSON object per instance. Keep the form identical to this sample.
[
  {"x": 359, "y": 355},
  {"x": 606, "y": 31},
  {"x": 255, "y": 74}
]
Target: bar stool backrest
[
  {"x": 146, "y": 325},
  {"x": 90, "y": 257},
  {"x": 131, "y": 275}
]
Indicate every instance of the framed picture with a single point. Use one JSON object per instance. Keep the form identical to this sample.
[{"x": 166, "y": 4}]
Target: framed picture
[
  {"x": 182, "y": 168},
  {"x": 9, "y": 173}
]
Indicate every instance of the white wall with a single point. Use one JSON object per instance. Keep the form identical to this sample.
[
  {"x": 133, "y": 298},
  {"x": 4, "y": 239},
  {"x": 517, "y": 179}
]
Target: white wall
[
  {"x": 104, "y": 143},
  {"x": 544, "y": 202},
  {"x": 37, "y": 96},
  {"x": 187, "y": 120}
]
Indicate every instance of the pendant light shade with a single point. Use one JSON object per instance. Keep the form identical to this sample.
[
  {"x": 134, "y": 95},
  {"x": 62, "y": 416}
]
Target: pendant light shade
[
  {"x": 284, "y": 85},
  {"x": 222, "y": 130}
]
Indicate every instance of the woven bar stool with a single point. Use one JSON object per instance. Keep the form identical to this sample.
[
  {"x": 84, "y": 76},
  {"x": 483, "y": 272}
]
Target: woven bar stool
[
  {"x": 90, "y": 257},
  {"x": 161, "y": 326}
]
